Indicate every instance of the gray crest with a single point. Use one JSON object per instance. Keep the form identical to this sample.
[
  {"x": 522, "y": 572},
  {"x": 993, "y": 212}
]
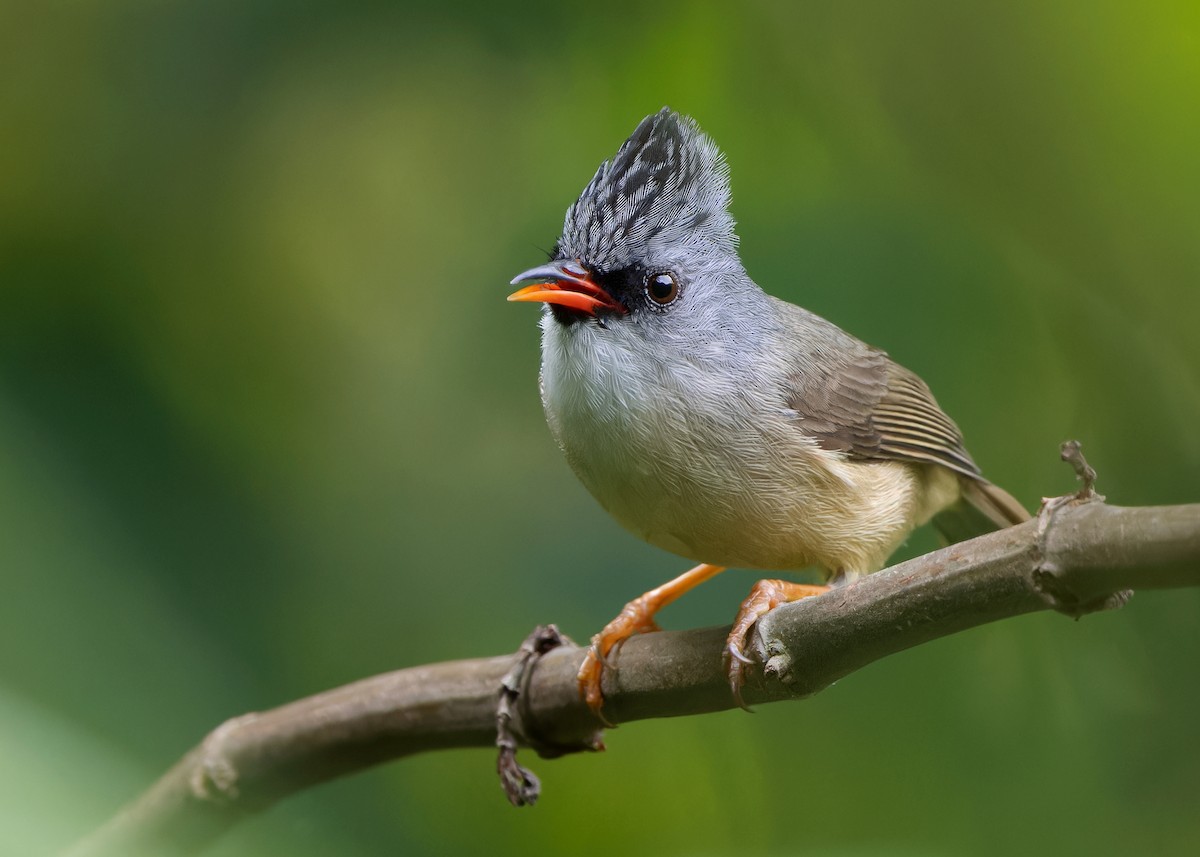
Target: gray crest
[{"x": 667, "y": 187}]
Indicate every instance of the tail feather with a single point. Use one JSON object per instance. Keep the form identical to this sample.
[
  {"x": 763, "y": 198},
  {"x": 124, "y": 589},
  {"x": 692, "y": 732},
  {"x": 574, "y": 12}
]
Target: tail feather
[{"x": 983, "y": 508}]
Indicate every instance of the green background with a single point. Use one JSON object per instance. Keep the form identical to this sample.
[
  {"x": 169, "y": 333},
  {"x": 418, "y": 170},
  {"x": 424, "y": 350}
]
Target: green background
[{"x": 267, "y": 424}]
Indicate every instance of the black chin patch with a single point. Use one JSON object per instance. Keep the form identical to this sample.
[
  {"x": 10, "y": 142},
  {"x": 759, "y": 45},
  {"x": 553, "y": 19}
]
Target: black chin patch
[{"x": 565, "y": 315}]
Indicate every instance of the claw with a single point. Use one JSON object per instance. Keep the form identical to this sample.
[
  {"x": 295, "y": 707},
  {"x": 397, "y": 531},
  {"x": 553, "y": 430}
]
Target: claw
[
  {"x": 736, "y": 651},
  {"x": 737, "y": 670},
  {"x": 588, "y": 679},
  {"x": 602, "y": 652},
  {"x": 735, "y": 685}
]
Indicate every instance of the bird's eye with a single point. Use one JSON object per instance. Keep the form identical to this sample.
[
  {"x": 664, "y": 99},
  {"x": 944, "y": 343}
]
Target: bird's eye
[{"x": 662, "y": 288}]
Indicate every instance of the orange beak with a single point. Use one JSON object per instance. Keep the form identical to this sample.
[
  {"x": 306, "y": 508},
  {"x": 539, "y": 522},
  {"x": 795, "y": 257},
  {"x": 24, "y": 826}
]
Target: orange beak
[{"x": 568, "y": 284}]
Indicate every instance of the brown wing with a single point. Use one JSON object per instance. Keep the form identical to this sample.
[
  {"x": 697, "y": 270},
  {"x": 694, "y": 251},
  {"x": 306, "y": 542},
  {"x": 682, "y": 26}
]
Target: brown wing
[{"x": 872, "y": 408}]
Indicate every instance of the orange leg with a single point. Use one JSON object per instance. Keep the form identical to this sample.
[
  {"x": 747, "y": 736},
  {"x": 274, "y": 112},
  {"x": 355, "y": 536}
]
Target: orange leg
[
  {"x": 763, "y": 598},
  {"x": 637, "y": 615}
]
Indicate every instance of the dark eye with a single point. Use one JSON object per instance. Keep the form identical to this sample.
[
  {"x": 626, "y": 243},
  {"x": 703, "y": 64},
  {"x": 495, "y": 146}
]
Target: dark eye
[{"x": 662, "y": 288}]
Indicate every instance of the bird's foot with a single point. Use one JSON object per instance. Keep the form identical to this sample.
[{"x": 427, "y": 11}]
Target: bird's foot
[
  {"x": 763, "y": 598},
  {"x": 637, "y": 616}
]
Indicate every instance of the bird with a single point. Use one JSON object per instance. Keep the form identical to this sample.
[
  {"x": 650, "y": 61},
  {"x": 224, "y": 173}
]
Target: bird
[{"x": 719, "y": 422}]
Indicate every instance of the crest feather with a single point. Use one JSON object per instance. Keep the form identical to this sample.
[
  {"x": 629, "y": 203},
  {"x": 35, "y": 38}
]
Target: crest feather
[{"x": 667, "y": 186}]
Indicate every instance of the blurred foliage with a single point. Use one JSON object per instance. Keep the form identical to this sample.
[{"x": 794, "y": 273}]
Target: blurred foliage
[{"x": 268, "y": 426}]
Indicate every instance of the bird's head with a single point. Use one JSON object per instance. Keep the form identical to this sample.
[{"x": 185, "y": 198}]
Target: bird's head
[{"x": 649, "y": 235}]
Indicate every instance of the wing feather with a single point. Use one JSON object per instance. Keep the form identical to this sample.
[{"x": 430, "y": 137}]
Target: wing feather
[{"x": 872, "y": 408}]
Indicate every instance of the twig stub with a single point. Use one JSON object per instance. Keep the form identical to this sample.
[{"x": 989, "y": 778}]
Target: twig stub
[
  {"x": 1045, "y": 575},
  {"x": 1072, "y": 453}
]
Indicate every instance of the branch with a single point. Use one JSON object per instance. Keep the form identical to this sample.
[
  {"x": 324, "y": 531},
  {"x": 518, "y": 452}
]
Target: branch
[{"x": 1077, "y": 556}]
